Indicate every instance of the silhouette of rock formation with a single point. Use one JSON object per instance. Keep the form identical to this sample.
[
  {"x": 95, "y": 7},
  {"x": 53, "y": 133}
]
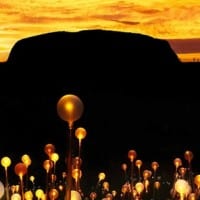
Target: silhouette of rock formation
[{"x": 86, "y": 46}]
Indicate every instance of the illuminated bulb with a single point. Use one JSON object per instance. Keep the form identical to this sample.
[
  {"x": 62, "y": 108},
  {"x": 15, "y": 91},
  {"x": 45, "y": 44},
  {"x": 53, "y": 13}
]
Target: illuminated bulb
[
  {"x": 16, "y": 196},
  {"x": 80, "y": 133},
  {"x": 70, "y": 108},
  {"x": 138, "y": 164},
  {"x": 124, "y": 166},
  {"x": 177, "y": 162},
  {"x": 39, "y": 193},
  {"x": 182, "y": 187},
  {"x": 6, "y": 162},
  {"x": 188, "y": 155},
  {"x": 49, "y": 149},
  {"x": 32, "y": 179},
  {"x": 28, "y": 195},
  {"x": 53, "y": 194},
  {"x": 26, "y": 160},
  {"x": 139, "y": 187},
  {"x": 154, "y": 165},
  {"x": 197, "y": 180},
  {"x": 54, "y": 157},
  {"x": 132, "y": 155},
  {"x": 101, "y": 176}
]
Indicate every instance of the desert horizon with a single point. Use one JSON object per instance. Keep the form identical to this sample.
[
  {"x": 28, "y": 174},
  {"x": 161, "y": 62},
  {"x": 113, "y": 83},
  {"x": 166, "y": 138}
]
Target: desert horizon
[
  {"x": 173, "y": 21},
  {"x": 187, "y": 50}
]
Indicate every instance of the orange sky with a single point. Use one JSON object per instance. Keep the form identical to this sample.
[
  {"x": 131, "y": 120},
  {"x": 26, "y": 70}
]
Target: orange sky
[{"x": 165, "y": 19}]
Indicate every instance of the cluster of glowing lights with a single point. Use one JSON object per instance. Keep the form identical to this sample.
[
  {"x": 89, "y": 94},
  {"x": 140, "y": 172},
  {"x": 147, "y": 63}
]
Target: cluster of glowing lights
[{"x": 137, "y": 183}]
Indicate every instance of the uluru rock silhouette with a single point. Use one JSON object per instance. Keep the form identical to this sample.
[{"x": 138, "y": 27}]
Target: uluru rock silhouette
[
  {"x": 52, "y": 58},
  {"x": 83, "y": 47}
]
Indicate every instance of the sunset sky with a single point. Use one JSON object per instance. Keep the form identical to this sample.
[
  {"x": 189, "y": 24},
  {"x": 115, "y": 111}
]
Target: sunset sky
[{"x": 177, "y": 21}]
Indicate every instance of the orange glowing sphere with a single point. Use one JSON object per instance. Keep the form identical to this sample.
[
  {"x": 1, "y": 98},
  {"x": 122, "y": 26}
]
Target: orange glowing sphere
[
  {"x": 146, "y": 184},
  {"x": 147, "y": 174},
  {"x": 177, "y": 162},
  {"x": 76, "y": 174},
  {"x": 124, "y": 166},
  {"x": 53, "y": 193},
  {"x": 132, "y": 155},
  {"x": 70, "y": 108},
  {"x": 188, "y": 155},
  {"x": 47, "y": 164},
  {"x": 20, "y": 169},
  {"x": 80, "y": 133},
  {"x": 157, "y": 184},
  {"x": 106, "y": 185},
  {"x": 49, "y": 149},
  {"x": 154, "y": 165},
  {"x": 197, "y": 180},
  {"x": 138, "y": 163},
  {"x": 192, "y": 196}
]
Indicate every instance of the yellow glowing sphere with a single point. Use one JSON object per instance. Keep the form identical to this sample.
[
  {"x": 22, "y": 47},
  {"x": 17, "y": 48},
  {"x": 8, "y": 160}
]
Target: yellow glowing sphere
[
  {"x": 26, "y": 160},
  {"x": 75, "y": 195},
  {"x": 70, "y": 108},
  {"x": 54, "y": 157},
  {"x": 5, "y": 161},
  {"x": 16, "y": 196},
  {"x": 39, "y": 193},
  {"x": 101, "y": 176},
  {"x": 182, "y": 187},
  {"x": 32, "y": 179},
  {"x": 139, "y": 186},
  {"x": 80, "y": 133},
  {"x": 28, "y": 195}
]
